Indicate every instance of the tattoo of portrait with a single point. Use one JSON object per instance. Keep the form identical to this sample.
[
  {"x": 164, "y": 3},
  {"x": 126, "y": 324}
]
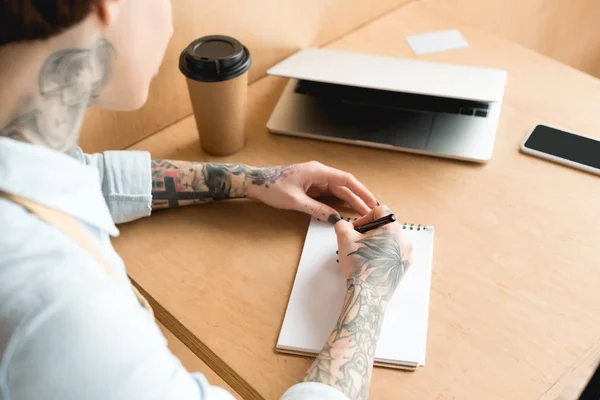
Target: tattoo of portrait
[
  {"x": 68, "y": 82},
  {"x": 346, "y": 361},
  {"x": 180, "y": 183}
]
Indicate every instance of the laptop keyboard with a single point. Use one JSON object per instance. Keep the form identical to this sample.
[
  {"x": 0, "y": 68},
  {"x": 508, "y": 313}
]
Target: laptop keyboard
[{"x": 391, "y": 100}]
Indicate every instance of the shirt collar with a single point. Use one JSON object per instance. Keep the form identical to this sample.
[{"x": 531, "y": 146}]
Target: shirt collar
[{"x": 55, "y": 180}]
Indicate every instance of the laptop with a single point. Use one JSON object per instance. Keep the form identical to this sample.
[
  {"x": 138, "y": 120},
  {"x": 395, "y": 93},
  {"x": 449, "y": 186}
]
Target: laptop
[{"x": 390, "y": 103}]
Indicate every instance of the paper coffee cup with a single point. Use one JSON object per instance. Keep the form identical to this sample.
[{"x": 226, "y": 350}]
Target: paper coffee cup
[{"x": 216, "y": 68}]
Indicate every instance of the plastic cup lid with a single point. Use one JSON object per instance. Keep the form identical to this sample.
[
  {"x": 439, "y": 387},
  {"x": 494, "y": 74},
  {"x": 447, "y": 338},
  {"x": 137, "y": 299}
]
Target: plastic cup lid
[{"x": 214, "y": 59}]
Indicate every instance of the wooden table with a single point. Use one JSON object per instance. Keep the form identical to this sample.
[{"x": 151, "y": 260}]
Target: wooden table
[
  {"x": 515, "y": 296},
  {"x": 192, "y": 362}
]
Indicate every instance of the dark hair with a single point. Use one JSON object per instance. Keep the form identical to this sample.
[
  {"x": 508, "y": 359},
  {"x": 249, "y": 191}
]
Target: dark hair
[{"x": 22, "y": 20}]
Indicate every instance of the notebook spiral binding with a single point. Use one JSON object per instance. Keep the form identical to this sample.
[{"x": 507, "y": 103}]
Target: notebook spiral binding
[
  {"x": 405, "y": 225},
  {"x": 413, "y": 227}
]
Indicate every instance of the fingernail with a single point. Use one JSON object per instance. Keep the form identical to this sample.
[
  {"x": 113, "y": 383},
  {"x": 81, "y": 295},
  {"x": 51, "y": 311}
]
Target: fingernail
[
  {"x": 337, "y": 252},
  {"x": 337, "y": 261},
  {"x": 334, "y": 219},
  {"x": 378, "y": 203}
]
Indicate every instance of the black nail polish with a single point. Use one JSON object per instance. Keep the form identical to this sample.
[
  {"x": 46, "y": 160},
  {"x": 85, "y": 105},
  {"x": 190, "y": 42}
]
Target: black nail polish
[
  {"x": 334, "y": 219},
  {"x": 378, "y": 203},
  {"x": 337, "y": 261},
  {"x": 337, "y": 252}
]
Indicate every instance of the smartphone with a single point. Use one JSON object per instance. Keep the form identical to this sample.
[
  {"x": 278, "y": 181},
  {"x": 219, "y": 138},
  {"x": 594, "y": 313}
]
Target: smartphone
[{"x": 563, "y": 147}]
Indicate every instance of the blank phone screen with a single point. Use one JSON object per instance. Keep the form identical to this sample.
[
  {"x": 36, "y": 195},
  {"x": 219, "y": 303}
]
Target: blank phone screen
[{"x": 565, "y": 145}]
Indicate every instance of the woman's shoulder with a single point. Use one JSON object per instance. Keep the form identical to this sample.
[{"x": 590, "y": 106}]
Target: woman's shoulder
[
  {"x": 27, "y": 242},
  {"x": 40, "y": 268}
]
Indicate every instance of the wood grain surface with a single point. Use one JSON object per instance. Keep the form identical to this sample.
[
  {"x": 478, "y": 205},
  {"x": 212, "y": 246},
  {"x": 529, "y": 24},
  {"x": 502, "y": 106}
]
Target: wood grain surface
[
  {"x": 192, "y": 363},
  {"x": 514, "y": 303},
  {"x": 566, "y": 30}
]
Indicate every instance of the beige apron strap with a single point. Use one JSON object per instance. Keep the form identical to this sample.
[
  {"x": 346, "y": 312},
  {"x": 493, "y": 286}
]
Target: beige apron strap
[{"x": 70, "y": 227}]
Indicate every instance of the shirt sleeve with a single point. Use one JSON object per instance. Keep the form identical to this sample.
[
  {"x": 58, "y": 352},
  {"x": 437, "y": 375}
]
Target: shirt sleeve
[
  {"x": 126, "y": 178},
  {"x": 97, "y": 344},
  {"x": 313, "y": 391}
]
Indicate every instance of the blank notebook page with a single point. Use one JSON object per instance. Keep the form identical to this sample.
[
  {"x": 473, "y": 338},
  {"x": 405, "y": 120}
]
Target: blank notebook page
[{"x": 318, "y": 295}]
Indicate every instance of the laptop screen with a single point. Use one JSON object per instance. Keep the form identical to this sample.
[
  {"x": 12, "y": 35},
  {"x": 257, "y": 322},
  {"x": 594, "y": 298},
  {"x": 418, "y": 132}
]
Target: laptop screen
[{"x": 394, "y": 74}]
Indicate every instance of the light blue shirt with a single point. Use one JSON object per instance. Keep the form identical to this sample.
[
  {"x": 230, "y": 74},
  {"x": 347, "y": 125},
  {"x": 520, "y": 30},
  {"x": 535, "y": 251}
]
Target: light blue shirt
[{"x": 69, "y": 331}]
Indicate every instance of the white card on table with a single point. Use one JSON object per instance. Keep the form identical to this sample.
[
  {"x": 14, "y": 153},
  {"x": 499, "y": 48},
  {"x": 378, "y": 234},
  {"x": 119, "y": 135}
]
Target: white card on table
[{"x": 435, "y": 42}]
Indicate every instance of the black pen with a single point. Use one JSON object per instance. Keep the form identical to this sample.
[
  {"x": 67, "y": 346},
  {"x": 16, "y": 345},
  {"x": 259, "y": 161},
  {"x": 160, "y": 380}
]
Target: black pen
[{"x": 378, "y": 223}]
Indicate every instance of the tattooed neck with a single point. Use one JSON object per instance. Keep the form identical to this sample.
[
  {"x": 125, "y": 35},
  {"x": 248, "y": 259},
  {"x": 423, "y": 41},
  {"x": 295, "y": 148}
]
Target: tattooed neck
[{"x": 68, "y": 82}]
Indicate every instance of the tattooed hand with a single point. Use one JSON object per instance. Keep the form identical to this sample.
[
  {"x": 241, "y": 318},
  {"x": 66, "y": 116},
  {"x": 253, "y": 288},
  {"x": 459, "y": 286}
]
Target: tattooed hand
[
  {"x": 374, "y": 264},
  {"x": 379, "y": 258},
  {"x": 294, "y": 187}
]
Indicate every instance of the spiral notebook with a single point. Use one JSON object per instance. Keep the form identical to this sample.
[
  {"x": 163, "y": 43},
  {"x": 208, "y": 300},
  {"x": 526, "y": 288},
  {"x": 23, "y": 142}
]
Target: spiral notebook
[{"x": 318, "y": 293}]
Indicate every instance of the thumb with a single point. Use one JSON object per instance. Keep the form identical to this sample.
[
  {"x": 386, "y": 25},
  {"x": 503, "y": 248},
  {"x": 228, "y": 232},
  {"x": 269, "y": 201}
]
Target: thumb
[
  {"x": 344, "y": 228},
  {"x": 345, "y": 232}
]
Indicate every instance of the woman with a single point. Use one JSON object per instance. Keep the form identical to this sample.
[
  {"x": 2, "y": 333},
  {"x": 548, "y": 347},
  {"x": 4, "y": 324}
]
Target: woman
[{"x": 70, "y": 324}]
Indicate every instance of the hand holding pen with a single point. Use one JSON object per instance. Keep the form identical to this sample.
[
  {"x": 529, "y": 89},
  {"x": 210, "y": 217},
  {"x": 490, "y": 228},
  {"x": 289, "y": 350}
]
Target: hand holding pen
[
  {"x": 374, "y": 246},
  {"x": 376, "y": 224}
]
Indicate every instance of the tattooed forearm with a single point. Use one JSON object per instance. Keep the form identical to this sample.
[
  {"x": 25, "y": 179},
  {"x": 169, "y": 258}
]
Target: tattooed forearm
[
  {"x": 69, "y": 80},
  {"x": 180, "y": 183},
  {"x": 346, "y": 361}
]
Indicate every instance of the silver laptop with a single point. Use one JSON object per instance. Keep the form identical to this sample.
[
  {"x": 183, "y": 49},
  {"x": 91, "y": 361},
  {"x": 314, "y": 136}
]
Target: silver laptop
[{"x": 390, "y": 103}]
